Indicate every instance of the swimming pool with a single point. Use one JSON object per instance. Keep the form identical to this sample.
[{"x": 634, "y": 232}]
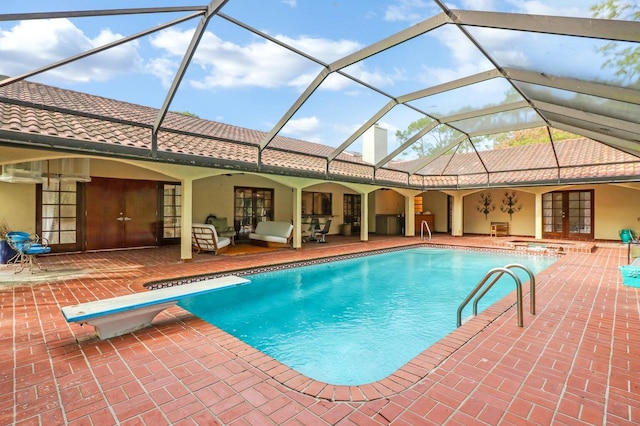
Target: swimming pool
[{"x": 358, "y": 320}]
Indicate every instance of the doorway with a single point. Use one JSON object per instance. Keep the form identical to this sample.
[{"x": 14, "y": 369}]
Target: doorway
[
  {"x": 121, "y": 213},
  {"x": 352, "y": 210},
  {"x": 251, "y": 205},
  {"x": 568, "y": 215}
]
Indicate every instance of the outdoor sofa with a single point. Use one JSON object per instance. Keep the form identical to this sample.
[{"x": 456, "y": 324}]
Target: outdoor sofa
[{"x": 272, "y": 234}]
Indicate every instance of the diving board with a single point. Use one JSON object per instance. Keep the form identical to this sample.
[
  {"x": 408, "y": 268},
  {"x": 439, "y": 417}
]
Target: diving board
[{"x": 123, "y": 314}]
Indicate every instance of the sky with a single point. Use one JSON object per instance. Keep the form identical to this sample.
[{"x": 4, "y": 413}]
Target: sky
[{"x": 240, "y": 78}]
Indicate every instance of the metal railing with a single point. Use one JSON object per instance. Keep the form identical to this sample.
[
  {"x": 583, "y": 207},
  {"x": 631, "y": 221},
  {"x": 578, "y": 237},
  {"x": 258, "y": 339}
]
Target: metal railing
[
  {"x": 423, "y": 225},
  {"x": 499, "y": 272}
]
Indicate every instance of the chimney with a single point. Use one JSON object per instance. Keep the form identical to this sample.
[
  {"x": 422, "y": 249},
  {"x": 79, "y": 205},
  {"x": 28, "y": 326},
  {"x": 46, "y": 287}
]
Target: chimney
[{"x": 374, "y": 144}]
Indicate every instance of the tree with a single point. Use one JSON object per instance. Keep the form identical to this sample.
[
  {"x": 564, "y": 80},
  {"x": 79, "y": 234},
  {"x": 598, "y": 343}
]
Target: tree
[
  {"x": 436, "y": 139},
  {"x": 529, "y": 137},
  {"x": 188, "y": 114},
  {"x": 625, "y": 58}
]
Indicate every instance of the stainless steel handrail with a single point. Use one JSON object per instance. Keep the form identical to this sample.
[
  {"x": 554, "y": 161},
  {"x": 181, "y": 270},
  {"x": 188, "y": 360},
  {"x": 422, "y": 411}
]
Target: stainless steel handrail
[
  {"x": 477, "y": 288},
  {"x": 532, "y": 289},
  {"x": 422, "y": 226}
]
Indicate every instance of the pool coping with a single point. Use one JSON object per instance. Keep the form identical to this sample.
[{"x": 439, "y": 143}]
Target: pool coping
[{"x": 405, "y": 377}]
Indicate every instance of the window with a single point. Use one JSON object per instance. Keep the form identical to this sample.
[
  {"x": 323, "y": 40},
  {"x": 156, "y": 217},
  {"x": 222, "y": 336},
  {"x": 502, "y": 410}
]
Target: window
[
  {"x": 316, "y": 203},
  {"x": 58, "y": 223},
  {"x": 171, "y": 208}
]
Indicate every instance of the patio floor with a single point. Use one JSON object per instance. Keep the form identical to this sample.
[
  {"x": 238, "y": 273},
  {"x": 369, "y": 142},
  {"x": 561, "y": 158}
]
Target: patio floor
[{"x": 577, "y": 361}]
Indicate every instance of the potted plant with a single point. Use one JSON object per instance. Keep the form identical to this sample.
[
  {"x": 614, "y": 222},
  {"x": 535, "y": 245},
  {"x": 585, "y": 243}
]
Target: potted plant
[
  {"x": 6, "y": 252},
  {"x": 626, "y": 235}
]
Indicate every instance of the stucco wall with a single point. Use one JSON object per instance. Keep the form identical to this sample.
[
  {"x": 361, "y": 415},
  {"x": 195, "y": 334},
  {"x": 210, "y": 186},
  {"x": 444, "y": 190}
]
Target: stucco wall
[
  {"x": 18, "y": 206},
  {"x": 436, "y": 203},
  {"x": 216, "y": 194},
  {"x": 616, "y": 208},
  {"x": 521, "y": 222},
  {"x": 119, "y": 170}
]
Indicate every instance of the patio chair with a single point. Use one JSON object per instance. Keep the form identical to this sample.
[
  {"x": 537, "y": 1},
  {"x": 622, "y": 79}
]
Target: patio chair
[
  {"x": 313, "y": 228},
  {"x": 27, "y": 248},
  {"x": 320, "y": 234}
]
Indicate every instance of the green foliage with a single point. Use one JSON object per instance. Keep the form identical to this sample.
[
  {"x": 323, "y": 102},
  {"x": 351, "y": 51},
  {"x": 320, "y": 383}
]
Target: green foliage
[
  {"x": 529, "y": 137},
  {"x": 432, "y": 142},
  {"x": 624, "y": 58},
  {"x": 188, "y": 114}
]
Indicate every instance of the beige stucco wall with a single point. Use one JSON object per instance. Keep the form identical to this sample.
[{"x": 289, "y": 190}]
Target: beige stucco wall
[
  {"x": 18, "y": 206},
  {"x": 436, "y": 203},
  {"x": 521, "y": 222},
  {"x": 215, "y": 195},
  {"x": 616, "y": 207},
  {"x": 120, "y": 170}
]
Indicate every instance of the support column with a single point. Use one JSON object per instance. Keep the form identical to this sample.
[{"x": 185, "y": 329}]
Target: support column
[
  {"x": 538, "y": 218},
  {"x": 297, "y": 218},
  {"x": 186, "y": 219},
  {"x": 457, "y": 215},
  {"x": 364, "y": 217},
  {"x": 409, "y": 216}
]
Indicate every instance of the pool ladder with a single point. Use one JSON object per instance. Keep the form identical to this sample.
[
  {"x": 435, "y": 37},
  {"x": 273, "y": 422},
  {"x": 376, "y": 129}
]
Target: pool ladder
[
  {"x": 424, "y": 225},
  {"x": 499, "y": 272}
]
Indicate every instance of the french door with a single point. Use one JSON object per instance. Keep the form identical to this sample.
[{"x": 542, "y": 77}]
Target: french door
[
  {"x": 352, "y": 210},
  {"x": 251, "y": 205},
  {"x": 121, "y": 213},
  {"x": 568, "y": 215}
]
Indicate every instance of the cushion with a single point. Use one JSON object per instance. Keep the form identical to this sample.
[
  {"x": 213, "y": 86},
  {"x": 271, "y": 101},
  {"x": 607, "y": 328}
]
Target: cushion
[{"x": 272, "y": 231}]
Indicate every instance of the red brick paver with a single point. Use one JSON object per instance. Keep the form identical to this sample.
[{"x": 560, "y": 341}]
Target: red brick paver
[{"x": 575, "y": 362}]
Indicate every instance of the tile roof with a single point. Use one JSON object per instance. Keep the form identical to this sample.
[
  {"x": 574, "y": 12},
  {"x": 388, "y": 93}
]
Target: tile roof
[{"x": 99, "y": 124}]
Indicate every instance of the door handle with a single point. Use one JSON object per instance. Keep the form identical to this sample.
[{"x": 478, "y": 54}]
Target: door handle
[
  {"x": 120, "y": 218},
  {"x": 127, "y": 218}
]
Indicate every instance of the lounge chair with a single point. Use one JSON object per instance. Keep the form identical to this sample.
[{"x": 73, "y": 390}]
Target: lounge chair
[
  {"x": 204, "y": 238},
  {"x": 320, "y": 234}
]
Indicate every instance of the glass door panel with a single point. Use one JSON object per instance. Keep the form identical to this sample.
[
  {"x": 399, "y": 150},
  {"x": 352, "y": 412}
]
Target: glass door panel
[
  {"x": 251, "y": 205},
  {"x": 567, "y": 214}
]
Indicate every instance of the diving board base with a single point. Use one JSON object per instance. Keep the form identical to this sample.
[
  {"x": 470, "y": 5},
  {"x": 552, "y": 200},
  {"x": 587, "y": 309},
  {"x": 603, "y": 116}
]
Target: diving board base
[{"x": 125, "y": 322}]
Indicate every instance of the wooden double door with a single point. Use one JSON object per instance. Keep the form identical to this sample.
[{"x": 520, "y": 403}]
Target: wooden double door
[
  {"x": 568, "y": 215},
  {"x": 121, "y": 213}
]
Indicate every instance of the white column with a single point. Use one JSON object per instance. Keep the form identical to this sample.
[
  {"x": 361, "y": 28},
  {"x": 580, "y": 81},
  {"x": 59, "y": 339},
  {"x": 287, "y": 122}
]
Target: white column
[
  {"x": 457, "y": 215},
  {"x": 409, "y": 216},
  {"x": 364, "y": 217},
  {"x": 186, "y": 254},
  {"x": 297, "y": 218},
  {"x": 538, "y": 219}
]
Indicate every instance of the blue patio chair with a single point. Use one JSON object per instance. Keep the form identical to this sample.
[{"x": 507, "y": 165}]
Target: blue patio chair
[{"x": 27, "y": 248}]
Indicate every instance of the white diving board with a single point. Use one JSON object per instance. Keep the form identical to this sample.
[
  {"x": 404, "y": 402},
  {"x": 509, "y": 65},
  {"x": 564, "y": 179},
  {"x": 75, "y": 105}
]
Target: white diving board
[{"x": 123, "y": 314}]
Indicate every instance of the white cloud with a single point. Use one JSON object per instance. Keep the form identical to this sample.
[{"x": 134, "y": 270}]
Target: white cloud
[
  {"x": 537, "y": 7},
  {"x": 32, "y": 44},
  {"x": 292, "y": 3},
  {"x": 259, "y": 63},
  {"x": 163, "y": 68},
  {"x": 304, "y": 128},
  {"x": 407, "y": 11}
]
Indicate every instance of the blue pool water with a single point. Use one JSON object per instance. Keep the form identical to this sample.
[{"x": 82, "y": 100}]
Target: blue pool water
[{"x": 356, "y": 321}]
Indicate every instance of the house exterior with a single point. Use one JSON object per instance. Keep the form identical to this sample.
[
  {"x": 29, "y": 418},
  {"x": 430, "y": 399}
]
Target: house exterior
[{"x": 93, "y": 173}]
